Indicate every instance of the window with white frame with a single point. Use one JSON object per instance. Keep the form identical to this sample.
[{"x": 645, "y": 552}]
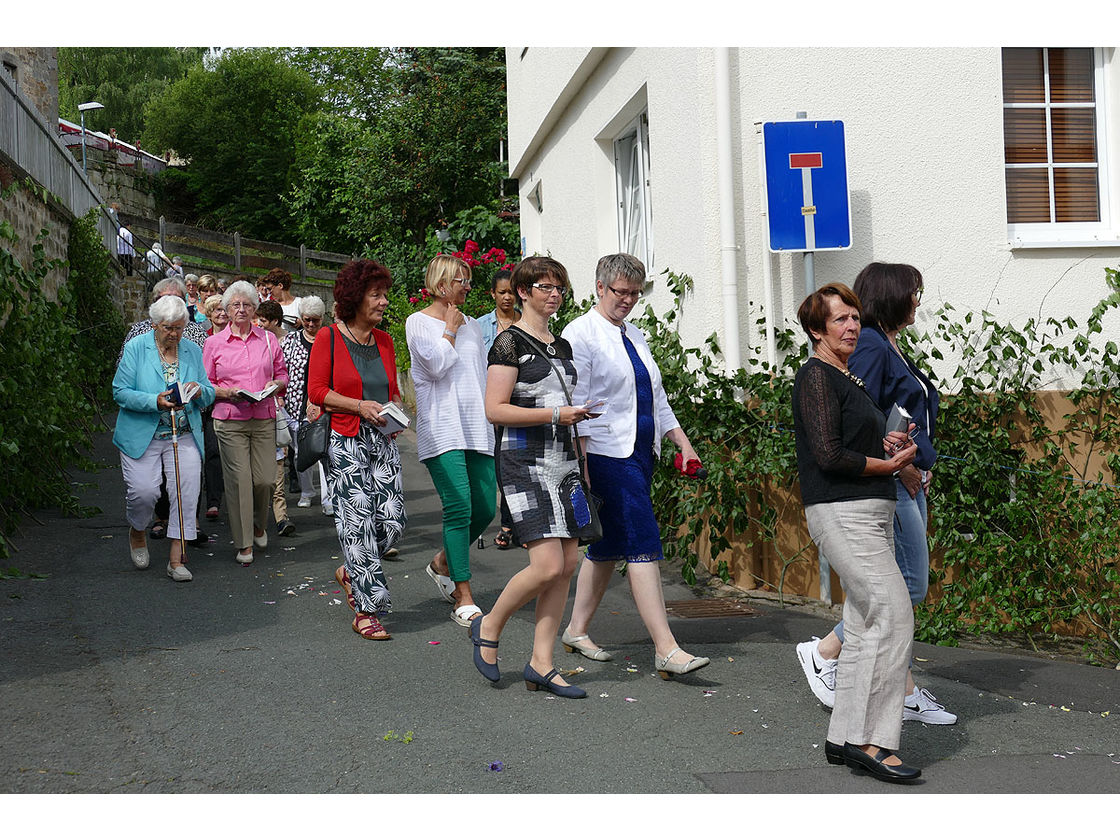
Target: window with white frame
[
  {"x": 631, "y": 163},
  {"x": 1054, "y": 144}
]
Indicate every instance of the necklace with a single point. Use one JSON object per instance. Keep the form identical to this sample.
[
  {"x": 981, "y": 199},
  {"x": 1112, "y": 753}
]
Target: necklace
[
  {"x": 549, "y": 344},
  {"x": 354, "y": 338},
  {"x": 846, "y": 372},
  {"x": 503, "y": 325}
]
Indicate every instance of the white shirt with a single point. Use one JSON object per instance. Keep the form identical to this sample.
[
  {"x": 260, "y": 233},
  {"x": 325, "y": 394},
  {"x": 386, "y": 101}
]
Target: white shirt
[
  {"x": 604, "y": 372},
  {"x": 291, "y": 311},
  {"x": 450, "y": 387}
]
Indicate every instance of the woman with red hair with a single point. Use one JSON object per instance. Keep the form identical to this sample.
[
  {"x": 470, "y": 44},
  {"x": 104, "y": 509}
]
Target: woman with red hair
[{"x": 352, "y": 374}]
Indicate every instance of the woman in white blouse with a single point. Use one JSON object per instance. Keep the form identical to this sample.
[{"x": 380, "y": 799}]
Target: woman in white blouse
[
  {"x": 615, "y": 367},
  {"x": 453, "y": 438}
]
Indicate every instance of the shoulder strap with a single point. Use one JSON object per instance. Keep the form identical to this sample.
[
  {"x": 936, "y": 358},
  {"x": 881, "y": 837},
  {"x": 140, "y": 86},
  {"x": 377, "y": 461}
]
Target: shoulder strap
[{"x": 567, "y": 394}]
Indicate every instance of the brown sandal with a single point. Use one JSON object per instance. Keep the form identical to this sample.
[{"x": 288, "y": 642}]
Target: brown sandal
[
  {"x": 370, "y": 628},
  {"x": 343, "y": 578}
]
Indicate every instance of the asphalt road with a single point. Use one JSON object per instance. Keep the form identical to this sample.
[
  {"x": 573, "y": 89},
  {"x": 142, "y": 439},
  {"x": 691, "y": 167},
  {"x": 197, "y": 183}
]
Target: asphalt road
[{"x": 250, "y": 680}]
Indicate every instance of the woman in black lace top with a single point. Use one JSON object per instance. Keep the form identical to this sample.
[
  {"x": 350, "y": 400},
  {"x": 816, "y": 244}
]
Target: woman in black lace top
[{"x": 845, "y": 465}]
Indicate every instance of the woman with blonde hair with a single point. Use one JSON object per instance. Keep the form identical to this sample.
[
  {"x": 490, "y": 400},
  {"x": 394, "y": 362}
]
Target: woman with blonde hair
[{"x": 453, "y": 438}]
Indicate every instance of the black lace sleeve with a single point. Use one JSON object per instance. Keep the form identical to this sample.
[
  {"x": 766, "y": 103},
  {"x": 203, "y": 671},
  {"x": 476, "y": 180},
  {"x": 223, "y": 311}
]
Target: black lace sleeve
[
  {"x": 504, "y": 350},
  {"x": 823, "y": 418}
]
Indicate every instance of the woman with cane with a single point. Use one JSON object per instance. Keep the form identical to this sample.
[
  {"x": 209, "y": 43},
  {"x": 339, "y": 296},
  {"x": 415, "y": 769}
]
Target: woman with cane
[{"x": 155, "y": 369}]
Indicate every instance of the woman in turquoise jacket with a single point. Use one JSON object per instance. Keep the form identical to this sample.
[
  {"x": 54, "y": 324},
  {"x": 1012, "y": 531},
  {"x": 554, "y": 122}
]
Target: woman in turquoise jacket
[{"x": 150, "y": 364}]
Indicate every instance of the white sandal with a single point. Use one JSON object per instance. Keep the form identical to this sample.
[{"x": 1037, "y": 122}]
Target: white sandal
[
  {"x": 572, "y": 645},
  {"x": 666, "y": 669},
  {"x": 464, "y": 615},
  {"x": 445, "y": 584}
]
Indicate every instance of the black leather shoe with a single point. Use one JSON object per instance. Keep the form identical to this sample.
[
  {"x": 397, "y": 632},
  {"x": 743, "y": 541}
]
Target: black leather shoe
[
  {"x": 857, "y": 759},
  {"x": 833, "y": 753}
]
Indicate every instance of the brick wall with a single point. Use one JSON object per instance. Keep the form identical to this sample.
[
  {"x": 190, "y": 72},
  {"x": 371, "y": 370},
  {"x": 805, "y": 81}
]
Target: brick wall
[{"x": 36, "y": 74}]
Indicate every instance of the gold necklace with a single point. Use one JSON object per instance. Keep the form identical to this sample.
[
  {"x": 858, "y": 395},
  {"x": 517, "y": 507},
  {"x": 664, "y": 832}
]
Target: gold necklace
[{"x": 843, "y": 370}]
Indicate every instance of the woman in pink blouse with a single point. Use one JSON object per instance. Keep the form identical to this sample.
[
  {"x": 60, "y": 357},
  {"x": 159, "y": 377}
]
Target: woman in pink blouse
[{"x": 243, "y": 357}]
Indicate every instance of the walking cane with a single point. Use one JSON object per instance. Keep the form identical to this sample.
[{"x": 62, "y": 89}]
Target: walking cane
[{"x": 178, "y": 486}]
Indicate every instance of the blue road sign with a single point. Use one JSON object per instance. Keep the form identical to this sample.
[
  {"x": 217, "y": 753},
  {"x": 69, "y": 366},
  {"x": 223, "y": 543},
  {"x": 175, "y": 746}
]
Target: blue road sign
[{"x": 807, "y": 186}]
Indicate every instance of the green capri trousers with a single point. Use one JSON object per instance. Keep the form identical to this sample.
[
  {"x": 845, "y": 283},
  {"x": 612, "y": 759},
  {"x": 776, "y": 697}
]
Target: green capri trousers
[{"x": 465, "y": 482}]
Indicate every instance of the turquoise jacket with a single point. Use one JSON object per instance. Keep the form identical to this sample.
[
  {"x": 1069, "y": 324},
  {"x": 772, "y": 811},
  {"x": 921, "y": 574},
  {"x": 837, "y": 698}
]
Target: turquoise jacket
[{"x": 137, "y": 383}]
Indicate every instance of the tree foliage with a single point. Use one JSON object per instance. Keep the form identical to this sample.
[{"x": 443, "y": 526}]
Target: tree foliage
[
  {"x": 236, "y": 123},
  {"x": 388, "y": 166},
  {"x": 123, "y": 79}
]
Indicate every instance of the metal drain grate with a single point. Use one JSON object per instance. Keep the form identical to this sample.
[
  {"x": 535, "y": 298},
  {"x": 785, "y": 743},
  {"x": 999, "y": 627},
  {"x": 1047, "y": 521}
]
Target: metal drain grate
[{"x": 709, "y": 608}]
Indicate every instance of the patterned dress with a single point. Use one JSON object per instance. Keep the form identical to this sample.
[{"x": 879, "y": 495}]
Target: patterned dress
[{"x": 533, "y": 461}]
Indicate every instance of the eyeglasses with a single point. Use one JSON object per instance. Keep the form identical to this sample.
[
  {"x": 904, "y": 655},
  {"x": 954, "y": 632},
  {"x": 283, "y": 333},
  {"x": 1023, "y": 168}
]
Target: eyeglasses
[
  {"x": 307, "y": 320},
  {"x": 917, "y": 295},
  {"x": 465, "y": 281},
  {"x": 242, "y": 304},
  {"x": 548, "y": 288},
  {"x": 626, "y": 295}
]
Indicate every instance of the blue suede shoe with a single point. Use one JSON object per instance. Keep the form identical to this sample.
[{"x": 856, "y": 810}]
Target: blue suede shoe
[
  {"x": 535, "y": 682},
  {"x": 485, "y": 668}
]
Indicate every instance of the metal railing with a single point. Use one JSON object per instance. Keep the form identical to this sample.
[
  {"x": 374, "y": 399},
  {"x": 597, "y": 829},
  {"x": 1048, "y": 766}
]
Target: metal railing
[{"x": 34, "y": 151}]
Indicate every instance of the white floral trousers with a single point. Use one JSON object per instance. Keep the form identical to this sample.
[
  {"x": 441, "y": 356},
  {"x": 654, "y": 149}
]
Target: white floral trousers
[{"x": 364, "y": 486}]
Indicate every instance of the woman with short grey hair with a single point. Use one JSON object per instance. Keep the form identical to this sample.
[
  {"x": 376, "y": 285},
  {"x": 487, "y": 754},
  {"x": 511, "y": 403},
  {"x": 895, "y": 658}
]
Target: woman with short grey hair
[
  {"x": 296, "y": 347},
  {"x": 245, "y": 358},
  {"x": 156, "y": 434}
]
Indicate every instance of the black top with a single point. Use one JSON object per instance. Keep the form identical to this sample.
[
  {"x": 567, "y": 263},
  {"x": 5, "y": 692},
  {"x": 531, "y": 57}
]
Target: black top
[{"x": 837, "y": 427}]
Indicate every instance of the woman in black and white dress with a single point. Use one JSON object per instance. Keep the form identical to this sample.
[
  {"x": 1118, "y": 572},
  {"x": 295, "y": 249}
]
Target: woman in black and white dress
[{"x": 536, "y": 457}]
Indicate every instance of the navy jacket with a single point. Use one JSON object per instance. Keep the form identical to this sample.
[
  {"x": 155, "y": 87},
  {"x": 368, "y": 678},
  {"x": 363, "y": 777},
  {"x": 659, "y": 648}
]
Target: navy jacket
[{"x": 890, "y": 379}]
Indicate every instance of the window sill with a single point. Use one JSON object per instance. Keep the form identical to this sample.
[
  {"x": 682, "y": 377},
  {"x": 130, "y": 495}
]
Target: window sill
[{"x": 1027, "y": 244}]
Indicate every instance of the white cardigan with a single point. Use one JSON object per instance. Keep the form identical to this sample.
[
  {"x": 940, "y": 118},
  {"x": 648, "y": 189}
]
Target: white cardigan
[
  {"x": 450, "y": 385},
  {"x": 604, "y": 372}
]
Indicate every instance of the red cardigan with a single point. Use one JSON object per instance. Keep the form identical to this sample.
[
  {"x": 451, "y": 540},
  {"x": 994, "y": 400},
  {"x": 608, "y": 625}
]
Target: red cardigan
[{"x": 346, "y": 379}]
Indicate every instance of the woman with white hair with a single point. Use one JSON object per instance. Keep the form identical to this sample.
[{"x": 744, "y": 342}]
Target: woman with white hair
[
  {"x": 296, "y": 347},
  {"x": 241, "y": 359},
  {"x": 156, "y": 434}
]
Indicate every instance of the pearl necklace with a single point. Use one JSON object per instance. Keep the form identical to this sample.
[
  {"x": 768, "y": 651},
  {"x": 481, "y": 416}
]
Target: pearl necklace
[{"x": 845, "y": 371}]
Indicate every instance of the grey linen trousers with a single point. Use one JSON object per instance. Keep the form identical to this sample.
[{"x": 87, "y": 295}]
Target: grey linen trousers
[{"x": 857, "y": 539}]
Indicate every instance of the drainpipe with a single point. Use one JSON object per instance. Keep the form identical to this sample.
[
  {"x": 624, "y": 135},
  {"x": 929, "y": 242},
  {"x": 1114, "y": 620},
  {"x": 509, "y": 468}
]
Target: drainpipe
[
  {"x": 767, "y": 269},
  {"x": 728, "y": 248}
]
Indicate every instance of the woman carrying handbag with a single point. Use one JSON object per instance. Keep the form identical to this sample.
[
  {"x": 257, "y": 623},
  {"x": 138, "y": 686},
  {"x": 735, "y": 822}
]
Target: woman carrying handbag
[{"x": 537, "y": 462}]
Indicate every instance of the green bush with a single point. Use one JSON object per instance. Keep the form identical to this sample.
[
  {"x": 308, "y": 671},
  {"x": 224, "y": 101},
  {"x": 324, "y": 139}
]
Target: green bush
[
  {"x": 57, "y": 359},
  {"x": 1027, "y": 533}
]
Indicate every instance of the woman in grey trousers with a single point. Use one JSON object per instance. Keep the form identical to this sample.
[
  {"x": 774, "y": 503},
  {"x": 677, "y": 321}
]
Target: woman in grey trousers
[{"x": 845, "y": 464}]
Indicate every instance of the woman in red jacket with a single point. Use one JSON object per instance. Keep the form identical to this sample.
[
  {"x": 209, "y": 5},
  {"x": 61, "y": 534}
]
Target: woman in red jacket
[{"x": 364, "y": 464}]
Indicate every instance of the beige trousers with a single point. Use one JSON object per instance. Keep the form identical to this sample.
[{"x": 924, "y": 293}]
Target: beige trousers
[
  {"x": 248, "y": 450},
  {"x": 280, "y": 489},
  {"x": 857, "y": 538}
]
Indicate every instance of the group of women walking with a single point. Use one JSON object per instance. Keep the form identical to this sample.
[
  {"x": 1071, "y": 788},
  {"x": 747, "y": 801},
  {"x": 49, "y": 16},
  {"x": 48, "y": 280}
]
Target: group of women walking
[{"x": 561, "y": 433}]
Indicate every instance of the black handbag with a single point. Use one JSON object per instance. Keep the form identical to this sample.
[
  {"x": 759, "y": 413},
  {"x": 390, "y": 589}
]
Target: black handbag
[
  {"x": 312, "y": 438},
  {"x": 583, "y": 504}
]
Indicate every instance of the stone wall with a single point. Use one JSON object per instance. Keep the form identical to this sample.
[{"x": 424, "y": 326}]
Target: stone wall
[
  {"x": 35, "y": 70},
  {"x": 125, "y": 186},
  {"x": 29, "y": 214}
]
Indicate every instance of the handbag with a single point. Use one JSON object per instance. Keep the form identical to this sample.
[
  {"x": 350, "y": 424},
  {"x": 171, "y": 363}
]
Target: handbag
[
  {"x": 283, "y": 433},
  {"x": 572, "y": 488},
  {"x": 312, "y": 438}
]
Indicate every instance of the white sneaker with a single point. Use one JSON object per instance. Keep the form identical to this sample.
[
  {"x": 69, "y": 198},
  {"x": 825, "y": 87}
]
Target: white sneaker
[
  {"x": 820, "y": 672},
  {"x": 923, "y": 706},
  {"x": 328, "y": 509},
  {"x": 304, "y": 502}
]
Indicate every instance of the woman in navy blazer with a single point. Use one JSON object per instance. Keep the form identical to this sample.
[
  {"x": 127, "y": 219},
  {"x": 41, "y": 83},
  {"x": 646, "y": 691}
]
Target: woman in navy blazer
[
  {"x": 891, "y": 294},
  {"x": 149, "y": 364}
]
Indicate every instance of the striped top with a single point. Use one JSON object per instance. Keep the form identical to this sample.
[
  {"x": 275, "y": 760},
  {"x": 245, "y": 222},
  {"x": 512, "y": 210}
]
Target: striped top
[{"x": 450, "y": 385}]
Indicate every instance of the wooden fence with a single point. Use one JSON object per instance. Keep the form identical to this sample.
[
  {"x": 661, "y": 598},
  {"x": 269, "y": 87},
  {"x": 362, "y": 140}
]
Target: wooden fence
[{"x": 211, "y": 252}]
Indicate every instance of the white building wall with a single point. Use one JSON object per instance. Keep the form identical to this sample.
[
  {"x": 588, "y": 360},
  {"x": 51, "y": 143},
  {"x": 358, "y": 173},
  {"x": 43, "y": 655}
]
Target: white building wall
[{"x": 924, "y": 133}]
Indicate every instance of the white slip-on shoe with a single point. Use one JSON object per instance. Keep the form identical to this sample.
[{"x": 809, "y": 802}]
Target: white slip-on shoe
[
  {"x": 139, "y": 557},
  {"x": 179, "y": 574},
  {"x": 820, "y": 672},
  {"x": 304, "y": 502},
  {"x": 922, "y": 706},
  {"x": 245, "y": 557}
]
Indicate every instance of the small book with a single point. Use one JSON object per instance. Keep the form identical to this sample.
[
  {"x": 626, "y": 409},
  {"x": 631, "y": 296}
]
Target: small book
[
  {"x": 182, "y": 393},
  {"x": 899, "y": 419},
  {"x": 257, "y": 396},
  {"x": 397, "y": 420}
]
